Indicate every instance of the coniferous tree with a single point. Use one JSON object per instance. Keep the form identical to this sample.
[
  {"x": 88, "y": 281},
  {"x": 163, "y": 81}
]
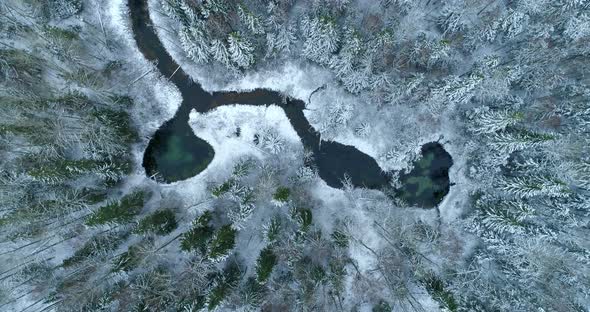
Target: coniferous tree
[
  {"x": 193, "y": 41},
  {"x": 252, "y": 21},
  {"x": 219, "y": 52},
  {"x": 509, "y": 142},
  {"x": 484, "y": 120},
  {"x": 527, "y": 187},
  {"x": 241, "y": 50},
  {"x": 321, "y": 38},
  {"x": 280, "y": 41}
]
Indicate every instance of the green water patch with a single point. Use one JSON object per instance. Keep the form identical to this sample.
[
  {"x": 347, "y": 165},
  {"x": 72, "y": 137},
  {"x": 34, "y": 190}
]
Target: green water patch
[
  {"x": 176, "y": 154},
  {"x": 428, "y": 182}
]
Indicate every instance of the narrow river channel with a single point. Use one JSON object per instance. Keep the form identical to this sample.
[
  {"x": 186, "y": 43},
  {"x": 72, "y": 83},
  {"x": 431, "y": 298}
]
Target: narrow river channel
[{"x": 175, "y": 153}]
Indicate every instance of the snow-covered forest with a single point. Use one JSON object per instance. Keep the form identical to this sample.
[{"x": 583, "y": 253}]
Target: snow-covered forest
[{"x": 501, "y": 85}]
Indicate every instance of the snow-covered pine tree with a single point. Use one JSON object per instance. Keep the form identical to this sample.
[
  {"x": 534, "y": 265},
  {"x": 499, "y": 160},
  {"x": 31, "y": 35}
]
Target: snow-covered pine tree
[
  {"x": 219, "y": 52},
  {"x": 456, "y": 91},
  {"x": 533, "y": 186},
  {"x": 440, "y": 54},
  {"x": 238, "y": 214},
  {"x": 60, "y": 9},
  {"x": 398, "y": 90},
  {"x": 192, "y": 33},
  {"x": 215, "y": 7},
  {"x": 241, "y": 50},
  {"x": 194, "y": 42},
  {"x": 363, "y": 130},
  {"x": 503, "y": 216},
  {"x": 513, "y": 23},
  {"x": 578, "y": 27},
  {"x": 251, "y": 20},
  {"x": 173, "y": 9},
  {"x": 358, "y": 79},
  {"x": 452, "y": 18},
  {"x": 581, "y": 173},
  {"x": 354, "y": 72},
  {"x": 485, "y": 120},
  {"x": 321, "y": 38},
  {"x": 280, "y": 41},
  {"x": 382, "y": 39},
  {"x": 344, "y": 61},
  {"x": 189, "y": 17},
  {"x": 510, "y": 141},
  {"x": 334, "y": 117},
  {"x": 271, "y": 141},
  {"x": 61, "y": 170}
]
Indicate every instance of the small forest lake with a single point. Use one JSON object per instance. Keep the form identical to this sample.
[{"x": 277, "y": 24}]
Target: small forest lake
[{"x": 175, "y": 153}]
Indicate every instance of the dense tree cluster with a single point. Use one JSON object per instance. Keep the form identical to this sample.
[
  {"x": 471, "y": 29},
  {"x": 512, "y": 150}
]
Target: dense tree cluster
[
  {"x": 507, "y": 78},
  {"x": 66, "y": 144},
  {"x": 512, "y": 75}
]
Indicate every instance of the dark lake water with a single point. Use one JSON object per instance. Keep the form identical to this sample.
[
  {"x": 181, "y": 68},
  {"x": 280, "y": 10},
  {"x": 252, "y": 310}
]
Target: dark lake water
[
  {"x": 175, "y": 153},
  {"x": 428, "y": 182}
]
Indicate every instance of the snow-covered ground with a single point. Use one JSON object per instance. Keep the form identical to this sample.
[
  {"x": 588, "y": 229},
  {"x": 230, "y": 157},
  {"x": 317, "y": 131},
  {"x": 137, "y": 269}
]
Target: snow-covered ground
[
  {"x": 219, "y": 127},
  {"x": 390, "y": 132},
  {"x": 393, "y": 139},
  {"x": 406, "y": 130},
  {"x": 403, "y": 132}
]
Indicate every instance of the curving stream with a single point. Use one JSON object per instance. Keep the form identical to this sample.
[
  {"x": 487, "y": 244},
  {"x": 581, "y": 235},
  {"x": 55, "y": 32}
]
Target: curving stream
[{"x": 175, "y": 153}]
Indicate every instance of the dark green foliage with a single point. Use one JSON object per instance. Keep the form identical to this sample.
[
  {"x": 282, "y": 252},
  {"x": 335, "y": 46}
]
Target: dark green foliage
[
  {"x": 436, "y": 288},
  {"x": 19, "y": 66},
  {"x": 97, "y": 245},
  {"x": 73, "y": 282},
  {"x": 111, "y": 67},
  {"x": 317, "y": 274},
  {"x": 121, "y": 101},
  {"x": 72, "y": 100},
  {"x": 161, "y": 222},
  {"x": 120, "y": 122},
  {"x": 223, "y": 241},
  {"x": 17, "y": 130},
  {"x": 242, "y": 168},
  {"x": 199, "y": 235},
  {"x": 282, "y": 194},
  {"x": 47, "y": 208},
  {"x": 217, "y": 295},
  {"x": 272, "y": 232},
  {"x": 60, "y": 34},
  {"x": 128, "y": 260},
  {"x": 336, "y": 275},
  {"x": 382, "y": 306},
  {"x": 119, "y": 212},
  {"x": 248, "y": 197},
  {"x": 340, "y": 239},
  {"x": 37, "y": 270},
  {"x": 309, "y": 276},
  {"x": 253, "y": 292},
  {"x": 222, "y": 188},
  {"x": 195, "y": 302},
  {"x": 94, "y": 196},
  {"x": 57, "y": 170},
  {"x": 154, "y": 290},
  {"x": 228, "y": 279},
  {"x": 265, "y": 263},
  {"x": 84, "y": 77},
  {"x": 535, "y": 137},
  {"x": 304, "y": 217}
]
